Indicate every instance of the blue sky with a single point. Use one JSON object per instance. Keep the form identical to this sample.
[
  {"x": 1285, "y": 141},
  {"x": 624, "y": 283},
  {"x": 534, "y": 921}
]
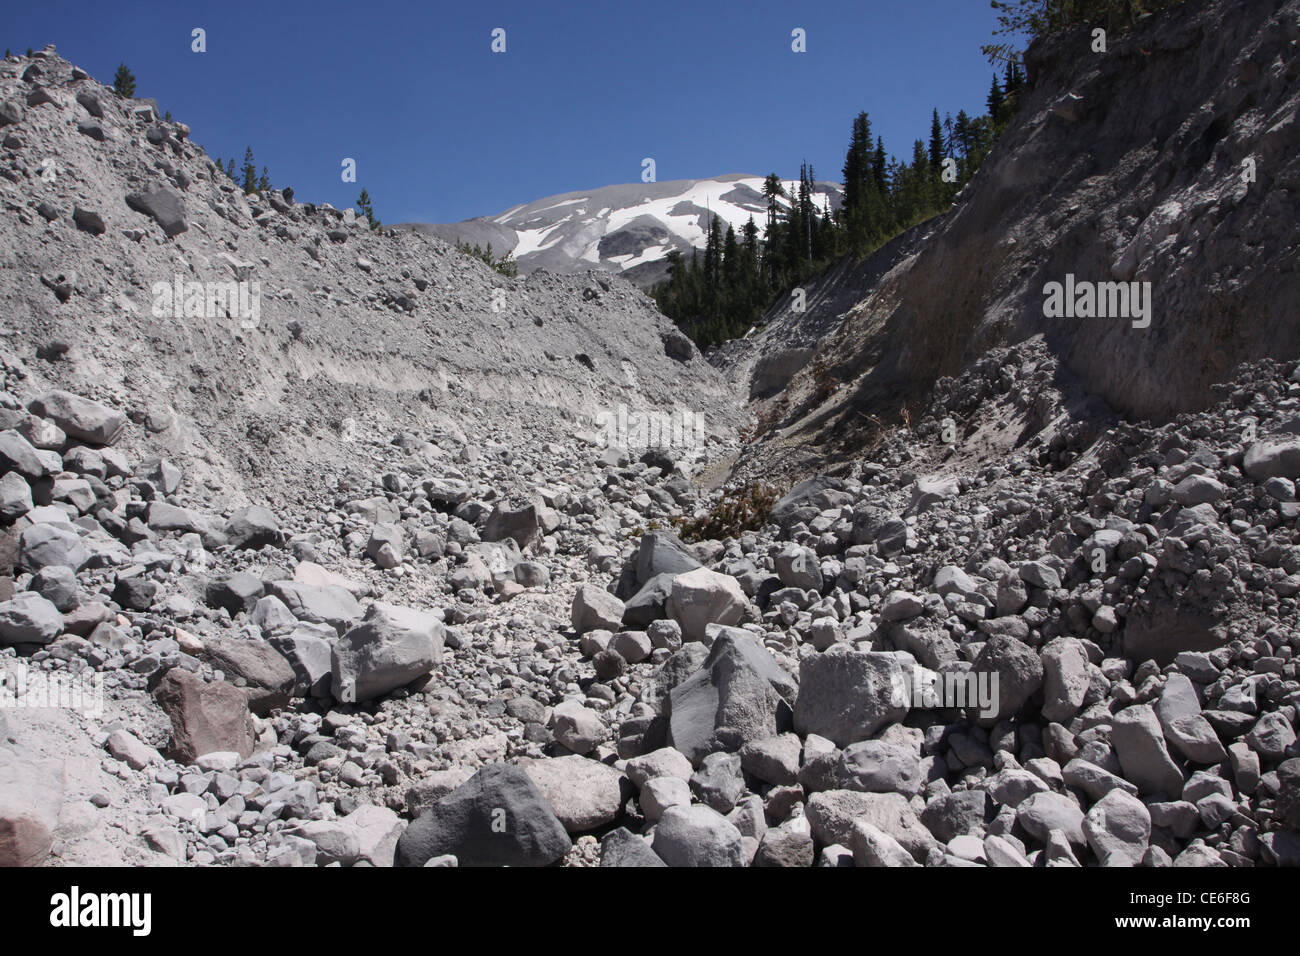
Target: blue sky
[{"x": 443, "y": 129}]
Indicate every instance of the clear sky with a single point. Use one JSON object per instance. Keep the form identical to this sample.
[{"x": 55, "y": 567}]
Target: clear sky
[{"x": 442, "y": 128}]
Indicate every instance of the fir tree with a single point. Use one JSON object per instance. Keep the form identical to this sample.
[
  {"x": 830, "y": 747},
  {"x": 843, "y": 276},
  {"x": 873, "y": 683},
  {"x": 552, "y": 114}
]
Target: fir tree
[
  {"x": 264, "y": 181},
  {"x": 367, "y": 210},
  {"x": 936, "y": 155},
  {"x": 250, "y": 171},
  {"x": 123, "y": 81},
  {"x": 996, "y": 99}
]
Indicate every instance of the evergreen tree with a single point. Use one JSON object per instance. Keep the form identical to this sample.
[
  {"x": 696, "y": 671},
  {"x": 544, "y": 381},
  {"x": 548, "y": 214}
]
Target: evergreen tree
[
  {"x": 880, "y": 167},
  {"x": 264, "y": 182},
  {"x": 962, "y": 135},
  {"x": 230, "y": 169},
  {"x": 996, "y": 100},
  {"x": 730, "y": 262},
  {"x": 123, "y": 81},
  {"x": 366, "y": 209},
  {"x": 860, "y": 211},
  {"x": 936, "y": 155},
  {"x": 772, "y": 189},
  {"x": 250, "y": 171}
]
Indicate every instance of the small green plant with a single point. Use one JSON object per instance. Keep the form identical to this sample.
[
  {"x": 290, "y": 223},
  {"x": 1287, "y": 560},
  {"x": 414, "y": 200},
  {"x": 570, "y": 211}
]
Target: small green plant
[{"x": 741, "y": 509}]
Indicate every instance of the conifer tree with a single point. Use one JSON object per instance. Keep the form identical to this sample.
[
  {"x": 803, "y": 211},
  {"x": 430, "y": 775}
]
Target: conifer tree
[
  {"x": 366, "y": 209},
  {"x": 936, "y": 155},
  {"x": 250, "y": 171},
  {"x": 996, "y": 100},
  {"x": 123, "y": 81}
]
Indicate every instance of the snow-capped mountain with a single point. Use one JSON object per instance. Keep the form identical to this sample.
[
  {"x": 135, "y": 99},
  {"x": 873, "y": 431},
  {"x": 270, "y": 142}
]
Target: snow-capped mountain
[{"x": 628, "y": 228}]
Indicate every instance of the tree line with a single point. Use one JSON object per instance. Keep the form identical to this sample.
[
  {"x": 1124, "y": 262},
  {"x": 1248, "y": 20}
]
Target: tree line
[{"x": 717, "y": 294}]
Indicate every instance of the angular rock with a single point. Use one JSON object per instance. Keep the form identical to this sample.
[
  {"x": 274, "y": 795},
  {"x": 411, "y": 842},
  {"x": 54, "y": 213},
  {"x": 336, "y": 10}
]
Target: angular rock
[
  {"x": 1118, "y": 828},
  {"x": 163, "y": 205},
  {"x": 623, "y": 848},
  {"x": 697, "y": 836},
  {"x": 702, "y": 597},
  {"x": 1045, "y": 813},
  {"x": 594, "y": 608},
  {"x": 253, "y": 528},
  {"x": 28, "y": 618},
  {"x": 1140, "y": 747},
  {"x": 1065, "y": 679},
  {"x": 257, "y": 667},
  {"x": 1018, "y": 671},
  {"x": 738, "y": 695},
  {"x": 833, "y": 814},
  {"x": 847, "y": 695},
  {"x": 318, "y": 603},
  {"x": 82, "y": 419},
  {"x": 205, "y": 716},
  {"x": 52, "y": 545},
  {"x": 497, "y": 818},
  {"x": 391, "y": 647},
  {"x": 584, "y": 794}
]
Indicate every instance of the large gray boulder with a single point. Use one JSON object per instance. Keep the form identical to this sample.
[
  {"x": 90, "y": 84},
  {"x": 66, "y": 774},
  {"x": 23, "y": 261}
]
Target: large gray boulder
[
  {"x": 518, "y": 523},
  {"x": 17, "y": 454},
  {"x": 595, "y": 609},
  {"x": 1273, "y": 458},
  {"x": 739, "y": 694},
  {"x": 1018, "y": 671},
  {"x": 659, "y": 552},
  {"x": 1140, "y": 746},
  {"x": 584, "y": 794},
  {"x": 847, "y": 695},
  {"x": 697, "y": 835},
  {"x": 51, "y": 545},
  {"x": 28, "y": 618},
  {"x": 1065, "y": 678},
  {"x": 257, "y": 667},
  {"x": 252, "y": 528},
  {"x": 163, "y": 205},
  {"x": 391, "y": 647},
  {"x": 703, "y": 597},
  {"x": 496, "y": 818},
  {"x": 623, "y": 848},
  {"x": 1118, "y": 828},
  {"x": 81, "y": 418},
  {"x": 318, "y": 603},
  {"x": 834, "y": 813}
]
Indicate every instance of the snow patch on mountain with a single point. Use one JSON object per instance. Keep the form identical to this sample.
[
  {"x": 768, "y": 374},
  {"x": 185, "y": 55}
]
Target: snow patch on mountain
[{"x": 628, "y": 228}]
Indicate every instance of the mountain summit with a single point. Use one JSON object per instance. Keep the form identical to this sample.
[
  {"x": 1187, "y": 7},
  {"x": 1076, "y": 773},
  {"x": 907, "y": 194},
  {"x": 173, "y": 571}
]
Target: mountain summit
[{"x": 628, "y": 228}]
